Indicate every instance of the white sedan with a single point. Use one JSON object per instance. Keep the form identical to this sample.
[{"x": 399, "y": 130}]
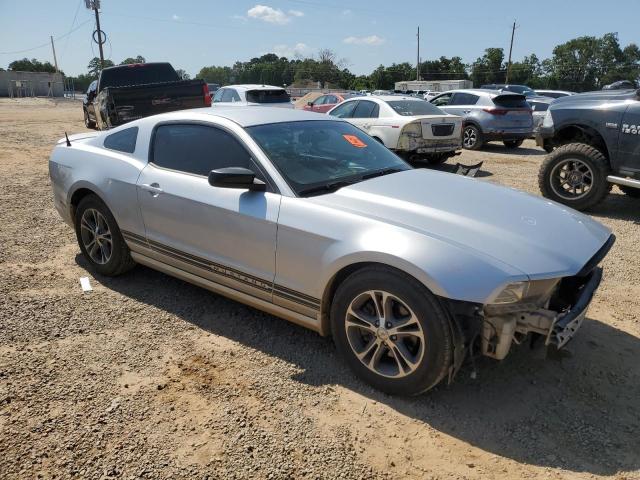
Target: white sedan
[
  {"x": 413, "y": 128},
  {"x": 251, "y": 95}
]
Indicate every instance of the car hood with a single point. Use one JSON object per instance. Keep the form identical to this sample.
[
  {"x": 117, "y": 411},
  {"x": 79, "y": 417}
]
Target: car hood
[
  {"x": 538, "y": 237},
  {"x": 598, "y": 97}
]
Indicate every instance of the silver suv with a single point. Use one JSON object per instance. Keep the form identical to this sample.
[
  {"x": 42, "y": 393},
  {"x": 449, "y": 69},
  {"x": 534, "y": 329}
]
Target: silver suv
[{"x": 489, "y": 115}]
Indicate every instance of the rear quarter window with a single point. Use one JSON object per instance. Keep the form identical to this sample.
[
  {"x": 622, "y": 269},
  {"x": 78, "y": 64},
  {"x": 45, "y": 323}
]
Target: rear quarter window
[{"x": 122, "y": 141}]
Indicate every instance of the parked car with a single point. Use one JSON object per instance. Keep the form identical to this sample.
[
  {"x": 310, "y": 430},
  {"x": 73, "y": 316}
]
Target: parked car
[
  {"x": 620, "y": 85},
  {"x": 213, "y": 88},
  {"x": 252, "y": 95},
  {"x": 128, "y": 92},
  {"x": 554, "y": 93},
  {"x": 326, "y": 102},
  {"x": 539, "y": 106},
  {"x": 594, "y": 140},
  {"x": 414, "y": 129},
  {"x": 381, "y": 92},
  {"x": 489, "y": 115},
  {"x": 309, "y": 218}
]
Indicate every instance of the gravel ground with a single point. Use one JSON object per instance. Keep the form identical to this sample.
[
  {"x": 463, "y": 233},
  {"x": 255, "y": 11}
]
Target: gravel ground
[{"x": 149, "y": 377}]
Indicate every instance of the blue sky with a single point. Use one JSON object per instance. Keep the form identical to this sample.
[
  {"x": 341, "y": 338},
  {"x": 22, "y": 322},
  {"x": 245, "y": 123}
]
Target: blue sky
[{"x": 194, "y": 33}]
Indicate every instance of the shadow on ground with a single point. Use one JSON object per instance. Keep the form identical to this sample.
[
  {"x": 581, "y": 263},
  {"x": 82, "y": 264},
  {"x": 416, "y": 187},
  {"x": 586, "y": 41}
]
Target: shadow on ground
[
  {"x": 580, "y": 414},
  {"x": 499, "y": 148}
]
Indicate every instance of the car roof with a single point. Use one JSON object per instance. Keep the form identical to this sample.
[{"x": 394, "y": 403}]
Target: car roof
[
  {"x": 248, "y": 116},
  {"x": 481, "y": 91},
  {"x": 251, "y": 86}
]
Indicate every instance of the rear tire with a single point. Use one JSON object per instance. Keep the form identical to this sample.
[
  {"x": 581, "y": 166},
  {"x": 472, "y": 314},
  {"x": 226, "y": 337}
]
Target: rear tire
[
  {"x": 513, "y": 143},
  {"x": 100, "y": 239},
  {"x": 575, "y": 175},
  {"x": 630, "y": 191},
  {"x": 472, "y": 138},
  {"x": 409, "y": 350}
]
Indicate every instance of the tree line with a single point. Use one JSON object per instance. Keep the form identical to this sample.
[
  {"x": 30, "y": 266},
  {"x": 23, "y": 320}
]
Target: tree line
[{"x": 581, "y": 64}]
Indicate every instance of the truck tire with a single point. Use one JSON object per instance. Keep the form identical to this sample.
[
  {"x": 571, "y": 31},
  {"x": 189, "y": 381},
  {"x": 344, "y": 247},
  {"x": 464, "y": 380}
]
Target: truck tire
[
  {"x": 472, "y": 138},
  {"x": 513, "y": 143},
  {"x": 391, "y": 331},
  {"x": 630, "y": 191},
  {"x": 87, "y": 121},
  {"x": 100, "y": 239},
  {"x": 575, "y": 175}
]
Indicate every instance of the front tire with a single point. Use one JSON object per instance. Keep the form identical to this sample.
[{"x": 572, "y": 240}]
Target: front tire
[
  {"x": 100, "y": 239},
  {"x": 630, "y": 191},
  {"x": 392, "y": 332},
  {"x": 87, "y": 121},
  {"x": 575, "y": 175},
  {"x": 472, "y": 138},
  {"x": 511, "y": 144}
]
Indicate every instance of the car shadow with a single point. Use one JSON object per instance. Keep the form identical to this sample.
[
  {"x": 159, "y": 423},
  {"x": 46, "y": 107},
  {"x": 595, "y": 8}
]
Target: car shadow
[
  {"x": 618, "y": 206},
  {"x": 502, "y": 150},
  {"x": 580, "y": 413}
]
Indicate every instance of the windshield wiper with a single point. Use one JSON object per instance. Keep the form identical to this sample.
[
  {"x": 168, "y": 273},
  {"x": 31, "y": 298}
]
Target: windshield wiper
[
  {"x": 380, "y": 173},
  {"x": 326, "y": 188}
]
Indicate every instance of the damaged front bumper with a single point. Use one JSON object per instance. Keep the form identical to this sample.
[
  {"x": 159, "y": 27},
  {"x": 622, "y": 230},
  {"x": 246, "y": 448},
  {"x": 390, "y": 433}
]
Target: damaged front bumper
[{"x": 557, "y": 321}]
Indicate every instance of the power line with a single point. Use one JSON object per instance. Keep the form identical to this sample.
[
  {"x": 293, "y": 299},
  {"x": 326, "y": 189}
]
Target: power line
[{"x": 48, "y": 43}]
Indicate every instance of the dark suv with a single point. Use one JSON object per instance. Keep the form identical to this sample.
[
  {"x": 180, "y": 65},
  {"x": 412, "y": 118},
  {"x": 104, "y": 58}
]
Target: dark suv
[{"x": 594, "y": 140}]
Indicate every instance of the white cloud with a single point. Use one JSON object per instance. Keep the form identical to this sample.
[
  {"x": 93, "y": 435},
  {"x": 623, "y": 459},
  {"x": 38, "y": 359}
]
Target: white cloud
[
  {"x": 272, "y": 15},
  {"x": 176, "y": 17},
  {"x": 239, "y": 17},
  {"x": 297, "y": 50},
  {"x": 372, "y": 40}
]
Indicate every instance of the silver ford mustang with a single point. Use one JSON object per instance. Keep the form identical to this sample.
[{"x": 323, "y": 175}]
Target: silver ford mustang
[{"x": 308, "y": 218}]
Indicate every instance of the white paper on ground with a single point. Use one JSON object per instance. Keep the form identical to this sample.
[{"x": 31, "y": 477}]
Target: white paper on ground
[{"x": 84, "y": 283}]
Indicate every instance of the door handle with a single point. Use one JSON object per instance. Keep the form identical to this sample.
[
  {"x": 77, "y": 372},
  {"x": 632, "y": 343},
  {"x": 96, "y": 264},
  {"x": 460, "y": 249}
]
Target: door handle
[{"x": 154, "y": 189}]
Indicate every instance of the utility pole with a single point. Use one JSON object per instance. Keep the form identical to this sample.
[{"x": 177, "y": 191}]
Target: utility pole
[
  {"x": 513, "y": 31},
  {"x": 95, "y": 6},
  {"x": 55, "y": 60},
  {"x": 418, "y": 58}
]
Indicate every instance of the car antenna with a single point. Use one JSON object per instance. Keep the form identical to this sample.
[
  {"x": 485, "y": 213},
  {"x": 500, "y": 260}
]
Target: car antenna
[{"x": 67, "y": 137}]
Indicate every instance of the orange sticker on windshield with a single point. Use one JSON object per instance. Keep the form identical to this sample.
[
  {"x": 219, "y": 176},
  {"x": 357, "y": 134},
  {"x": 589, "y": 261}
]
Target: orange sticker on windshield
[{"x": 355, "y": 141}]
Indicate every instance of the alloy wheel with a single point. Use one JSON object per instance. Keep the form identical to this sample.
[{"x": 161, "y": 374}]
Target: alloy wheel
[
  {"x": 470, "y": 137},
  {"x": 385, "y": 334},
  {"x": 571, "y": 179},
  {"x": 96, "y": 236}
]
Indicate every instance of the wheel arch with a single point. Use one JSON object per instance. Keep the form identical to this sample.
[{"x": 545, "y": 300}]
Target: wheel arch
[
  {"x": 576, "y": 133},
  {"x": 79, "y": 192},
  {"x": 344, "y": 271}
]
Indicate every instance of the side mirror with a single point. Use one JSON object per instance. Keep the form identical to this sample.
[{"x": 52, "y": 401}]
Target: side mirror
[
  {"x": 236, "y": 177},
  {"x": 310, "y": 104}
]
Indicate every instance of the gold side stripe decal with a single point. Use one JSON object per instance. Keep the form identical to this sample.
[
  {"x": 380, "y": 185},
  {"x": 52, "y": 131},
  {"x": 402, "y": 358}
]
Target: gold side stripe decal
[{"x": 204, "y": 264}]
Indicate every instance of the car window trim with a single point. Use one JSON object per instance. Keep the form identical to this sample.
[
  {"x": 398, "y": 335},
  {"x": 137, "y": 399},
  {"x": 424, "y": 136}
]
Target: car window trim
[{"x": 271, "y": 184}]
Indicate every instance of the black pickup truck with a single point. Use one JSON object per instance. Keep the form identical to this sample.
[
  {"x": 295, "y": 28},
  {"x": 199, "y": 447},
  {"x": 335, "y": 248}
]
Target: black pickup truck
[{"x": 128, "y": 92}]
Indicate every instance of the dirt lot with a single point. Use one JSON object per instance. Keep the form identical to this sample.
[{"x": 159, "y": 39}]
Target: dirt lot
[{"x": 147, "y": 376}]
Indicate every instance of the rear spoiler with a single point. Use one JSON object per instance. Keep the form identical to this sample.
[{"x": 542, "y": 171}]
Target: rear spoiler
[{"x": 77, "y": 137}]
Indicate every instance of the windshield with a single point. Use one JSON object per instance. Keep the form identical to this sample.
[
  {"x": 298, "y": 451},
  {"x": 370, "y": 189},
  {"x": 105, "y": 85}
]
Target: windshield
[
  {"x": 268, "y": 96},
  {"x": 317, "y": 154},
  {"x": 411, "y": 108}
]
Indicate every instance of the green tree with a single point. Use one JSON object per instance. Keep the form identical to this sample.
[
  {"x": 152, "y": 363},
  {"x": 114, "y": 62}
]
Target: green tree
[
  {"x": 33, "y": 65},
  {"x": 183, "y": 75},
  {"x": 489, "y": 68},
  {"x": 95, "y": 68},
  {"x": 131, "y": 60}
]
